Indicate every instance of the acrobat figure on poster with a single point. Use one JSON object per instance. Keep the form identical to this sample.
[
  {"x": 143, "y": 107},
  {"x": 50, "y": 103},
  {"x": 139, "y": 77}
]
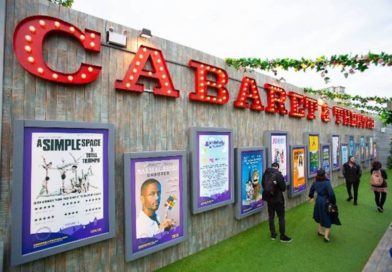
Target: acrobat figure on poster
[
  {"x": 256, "y": 184},
  {"x": 148, "y": 223},
  {"x": 45, "y": 189}
]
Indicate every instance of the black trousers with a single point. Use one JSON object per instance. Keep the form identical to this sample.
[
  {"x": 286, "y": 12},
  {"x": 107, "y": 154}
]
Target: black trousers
[
  {"x": 380, "y": 199},
  {"x": 355, "y": 185},
  {"x": 277, "y": 208}
]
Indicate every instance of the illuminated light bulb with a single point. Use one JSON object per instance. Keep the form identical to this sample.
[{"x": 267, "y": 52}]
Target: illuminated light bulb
[
  {"x": 219, "y": 71},
  {"x": 224, "y": 98},
  {"x": 257, "y": 102},
  {"x": 208, "y": 98},
  {"x": 134, "y": 70},
  {"x": 202, "y": 65},
  {"x": 92, "y": 44},
  {"x": 30, "y": 59},
  {"x": 128, "y": 85},
  {"x": 214, "y": 69},
  {"x": 90, "y": 69},
  {"x": 72, "y": 29},
  {"x": 57, "y": 24},
  {"x": 169, "y": 91},
  {"x": 92, "y": 35},
  {"x": 83, "y": 76},
  {"x": 163, "y": 76},
  {"x": 150, "y": 73},
  {"x": 155, "y": 52},
  {"x": 202, "y": 96},
  {"x": 144, "y": 49},
  {"x": 131, "y": 77},
  {"x": 32, "y": 29},
  {"x": 220, "y": 85},
  {"x": 42, "y": 23},
  {"x": 161, "y": 68},
  {"x": 214, "y": 99},
  {"x": 202, "y": 84},
  {"x": 208, "y": 68},
  {"x": 202, "y": 91},
  {"x": 28, "y": 38},
  {"x": 138, "y": 63},
  {"x": 82, "y": 37},
  {"x": 166, "y": 84},
  {"x": 223, "y": 75},
  {"x": 55, "y": 76},
  {"x": 220, "y": 100},
  {"x": 214, "y": 84},
  {"x": 40, "y": 70},
  {"x": 201, "y": 78},
  {"x": 27, "y": 48},
  {"x": 70, "y": 78},
  {"x": 241, "y": 104},
  {"x": 246, "y": 83},
  {"x": 159, "y": 60},
  {"x": 140, "y": 56}
]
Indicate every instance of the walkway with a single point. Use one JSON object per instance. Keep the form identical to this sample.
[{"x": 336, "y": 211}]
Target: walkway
[{"x": 381, "y": 260}]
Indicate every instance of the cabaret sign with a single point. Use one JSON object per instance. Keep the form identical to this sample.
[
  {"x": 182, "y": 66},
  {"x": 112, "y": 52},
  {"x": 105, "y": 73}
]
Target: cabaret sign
[{"x": 149, "y": 63}]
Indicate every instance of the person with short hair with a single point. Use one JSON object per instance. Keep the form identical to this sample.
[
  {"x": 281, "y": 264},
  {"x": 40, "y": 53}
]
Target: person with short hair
[
  {"x": 275, "y": 201},
  {"x": 325, "y": 195},
  {"x": 380, "y": 191},
  {"x": 352, "y": 173},
  {"x": 148, "y": 223}
]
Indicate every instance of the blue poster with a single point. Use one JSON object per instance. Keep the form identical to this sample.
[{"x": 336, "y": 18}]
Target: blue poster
[
  {"x": 351, "y": 146},
  {"x": 344, "y": 154},
  {"x": 251, "y": 173},
  {"x": 326, "y": 159}
]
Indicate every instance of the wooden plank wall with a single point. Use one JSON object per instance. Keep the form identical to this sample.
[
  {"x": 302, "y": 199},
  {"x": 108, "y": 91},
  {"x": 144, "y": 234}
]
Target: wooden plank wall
[{"x": 142, "y": 122}]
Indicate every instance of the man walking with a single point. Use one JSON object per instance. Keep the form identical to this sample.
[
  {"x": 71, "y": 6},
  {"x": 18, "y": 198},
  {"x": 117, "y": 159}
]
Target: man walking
[
  {"x": 352, "y": 173},
  {"x": 273, "y": 187}
]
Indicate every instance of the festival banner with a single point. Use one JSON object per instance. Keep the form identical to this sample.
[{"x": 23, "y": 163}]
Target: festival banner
[
  {"x": 250, "y": 164},
  {"x": 155, "y": 200},
  {"x": 298, "y": 167},
  {"x": 65, "y": 196},
  {"x": 212, "y": 168}
]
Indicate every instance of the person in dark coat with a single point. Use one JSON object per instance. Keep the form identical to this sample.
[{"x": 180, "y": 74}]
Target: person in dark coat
[
  {"x": 380, "y": 191},
  {"x": 325, "y": 194},
  {"x": 276, "y": 201},
  {"x": 352, "y": 173}
]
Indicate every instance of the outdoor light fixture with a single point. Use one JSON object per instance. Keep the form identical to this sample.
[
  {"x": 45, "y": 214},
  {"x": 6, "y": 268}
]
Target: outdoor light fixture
[
  {"x": 145, "y": 33},
  {"x": 115, "y": 38}
]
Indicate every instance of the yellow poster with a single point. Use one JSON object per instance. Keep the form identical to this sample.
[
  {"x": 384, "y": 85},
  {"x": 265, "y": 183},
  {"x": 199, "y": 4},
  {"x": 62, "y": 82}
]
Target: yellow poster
[{"x": 313, "y": 143}]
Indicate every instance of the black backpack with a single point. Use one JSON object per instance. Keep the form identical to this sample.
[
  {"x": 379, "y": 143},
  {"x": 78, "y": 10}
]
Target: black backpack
[{"x": 269, "y": 186}]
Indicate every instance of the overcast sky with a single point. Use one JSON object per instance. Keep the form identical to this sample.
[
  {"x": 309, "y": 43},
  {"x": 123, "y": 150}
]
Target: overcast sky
[{"x": 268, "y": 29}]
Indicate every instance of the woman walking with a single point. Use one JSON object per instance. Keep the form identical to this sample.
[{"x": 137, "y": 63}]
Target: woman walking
[
  {"x": 325, "y": 194},
  {"x": 378, "y": 182}
]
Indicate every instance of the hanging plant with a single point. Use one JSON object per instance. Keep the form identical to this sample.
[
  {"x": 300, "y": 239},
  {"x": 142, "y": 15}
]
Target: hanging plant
[{"x": 348, "y": 64}]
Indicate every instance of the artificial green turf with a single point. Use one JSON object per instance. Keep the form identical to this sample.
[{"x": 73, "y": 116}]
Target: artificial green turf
[{"x": 350, "y": 247}]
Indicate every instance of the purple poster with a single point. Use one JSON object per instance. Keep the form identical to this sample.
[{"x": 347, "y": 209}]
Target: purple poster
[
  {"x": 156, "y": 201},
  {"x": 213, "y": 168},
  {"x": 65, "y": 186}
]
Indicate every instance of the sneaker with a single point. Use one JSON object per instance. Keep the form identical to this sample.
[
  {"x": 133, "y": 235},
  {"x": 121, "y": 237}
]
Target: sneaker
[
  {"x": 355, "y": 203},
  {"x": 349, "y": 198},
  {"x": 285, "y": 239},
  {"x": 379, "y": 209},
  {"x": 273, "y": 237},
  {"x": 326, "y": 240}
]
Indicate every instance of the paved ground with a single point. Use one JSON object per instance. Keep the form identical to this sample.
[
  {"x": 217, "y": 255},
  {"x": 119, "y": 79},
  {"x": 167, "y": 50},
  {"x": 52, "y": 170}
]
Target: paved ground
[{"x": 381, "y": 260}]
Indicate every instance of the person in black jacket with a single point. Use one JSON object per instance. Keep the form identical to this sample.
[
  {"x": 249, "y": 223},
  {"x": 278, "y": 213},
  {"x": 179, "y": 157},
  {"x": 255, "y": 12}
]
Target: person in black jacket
[
  {"x": 380, "y": 191},
  {"x": 275, "y": 200},
  {"x": 352, "y": 173}
]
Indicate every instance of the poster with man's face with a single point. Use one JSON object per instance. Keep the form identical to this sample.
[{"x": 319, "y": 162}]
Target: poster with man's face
[{"x": 156, "y": 201}]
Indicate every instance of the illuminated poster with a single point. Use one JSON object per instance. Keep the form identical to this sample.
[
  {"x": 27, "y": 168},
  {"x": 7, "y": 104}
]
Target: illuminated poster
[
  {"x": 371, "y": 148},
  {"x": 155, "y": 201},
  {"x": 335, "y": 152},
  {"x": 326, "y": 158},
  {"x": 249, "y": 173},
  {"x": 279, "y": 152},
  {"x": 344, "y": 152},
  {"x": 362, "y": 148},
  {"x": 351, "y": 146},
  {"x": 212, "y": 169},
  {"x": 314, "y": 154},
  {"x": 298, "y": 171},
  {"x": 65, "y": 194}
]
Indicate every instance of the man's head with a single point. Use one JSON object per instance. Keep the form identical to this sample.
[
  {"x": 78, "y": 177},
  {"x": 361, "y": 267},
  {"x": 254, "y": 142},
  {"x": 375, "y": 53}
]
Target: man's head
[
  {"x": 150, "y": 196},
  {"x": 275, "y": 165},
  {"x": 352, "y": 159}
]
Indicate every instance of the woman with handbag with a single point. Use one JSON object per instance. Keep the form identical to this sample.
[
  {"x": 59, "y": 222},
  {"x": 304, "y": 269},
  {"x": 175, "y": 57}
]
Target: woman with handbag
[
  {"x": 378, "y": 182},
  {"x": 325, "y": 198}
]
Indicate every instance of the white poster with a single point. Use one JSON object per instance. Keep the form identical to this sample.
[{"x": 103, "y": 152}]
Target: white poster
[
  {"x": 66, "y": 181},
  {"x": 279, "y": 152}
]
